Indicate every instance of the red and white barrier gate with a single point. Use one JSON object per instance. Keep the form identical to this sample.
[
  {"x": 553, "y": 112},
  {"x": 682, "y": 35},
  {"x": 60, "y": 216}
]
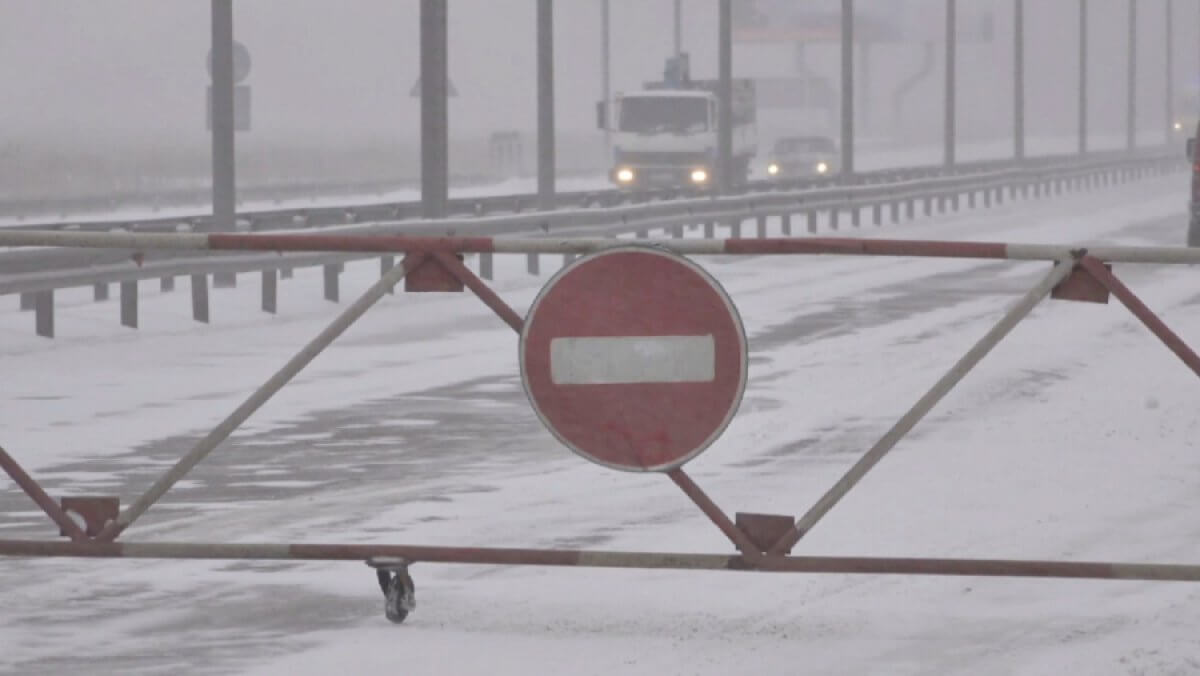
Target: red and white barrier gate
[{"x": 639, "y": 377}]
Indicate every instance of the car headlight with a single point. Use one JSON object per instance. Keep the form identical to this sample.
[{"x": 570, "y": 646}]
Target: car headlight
[
  {"x": 1178, "y": 126},
  {"x": 625, "y": 175},
  {"x": 699, "y": 176},
  {"x": 822, "y": 168},
  {"x": 772, "y": 169}
]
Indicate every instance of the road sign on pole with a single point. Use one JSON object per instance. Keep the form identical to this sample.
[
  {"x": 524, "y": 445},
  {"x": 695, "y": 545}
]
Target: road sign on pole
[{"x": 634, "y": 358}]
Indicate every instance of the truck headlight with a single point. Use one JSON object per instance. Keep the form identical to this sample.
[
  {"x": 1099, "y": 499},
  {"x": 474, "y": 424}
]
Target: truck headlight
[
  {"x": 699, "y": 176},
  {"x": 1178, "y": 126},
  {"x": 822, "y": 168},
  {"x": 625, "y": 175},
  {"x": 773, "y": 169}
]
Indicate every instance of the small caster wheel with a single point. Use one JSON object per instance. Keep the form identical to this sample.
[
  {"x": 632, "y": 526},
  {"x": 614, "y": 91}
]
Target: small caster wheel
[{"x": 399, "y": 592}]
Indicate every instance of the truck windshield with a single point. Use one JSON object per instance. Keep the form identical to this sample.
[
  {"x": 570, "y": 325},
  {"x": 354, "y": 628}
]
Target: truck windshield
[{"x": 658, "y": 114}]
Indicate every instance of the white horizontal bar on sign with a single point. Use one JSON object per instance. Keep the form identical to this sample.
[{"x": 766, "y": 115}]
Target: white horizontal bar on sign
[{"x": 632, "y": 359}]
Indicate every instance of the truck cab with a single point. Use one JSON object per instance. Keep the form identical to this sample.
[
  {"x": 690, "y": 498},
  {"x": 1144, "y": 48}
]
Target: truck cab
[{"x": 665, "y": 134}]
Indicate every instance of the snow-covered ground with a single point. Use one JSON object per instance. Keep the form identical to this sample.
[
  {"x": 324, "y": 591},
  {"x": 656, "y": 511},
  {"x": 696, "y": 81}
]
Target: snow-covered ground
[{"x": 1076, "y": 439}]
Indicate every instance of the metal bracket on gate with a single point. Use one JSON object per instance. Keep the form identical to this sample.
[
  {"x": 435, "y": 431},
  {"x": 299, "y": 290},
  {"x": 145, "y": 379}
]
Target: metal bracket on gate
[
  {"x": 95, "y": 511},
  {"x": 431, "y": 276},
  {"x": 1081, "y": 286},
  {"x": 765, "y": 530}
]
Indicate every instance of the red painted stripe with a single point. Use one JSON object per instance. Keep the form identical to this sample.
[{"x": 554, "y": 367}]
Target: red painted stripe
[
  {"x": 867, "y": 247},
  {"x": 373, "y": 243}
]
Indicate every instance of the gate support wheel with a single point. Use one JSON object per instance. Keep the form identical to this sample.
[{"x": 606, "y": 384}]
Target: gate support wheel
[{"x": 399, "y": 592}]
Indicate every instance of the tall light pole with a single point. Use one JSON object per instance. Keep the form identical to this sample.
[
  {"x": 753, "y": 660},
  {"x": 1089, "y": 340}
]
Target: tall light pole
[
  {"x": 545, "y": 103},
  {"x": 606, "y": 73},
  {"x": 950, "y": 122},
  {"x": 1019, "y": 79},
  {"x": 678, "y": 27},
  {"x": 847, "y": 87},
  {"x": 435, "y": 130},
  {"x": 1083, "y": 77},
  {"x": 1131, "y": 84},
  {"x": 224, "y": 182},
  {"x": 725, "y": 96},
  {"x": 1169, "y": 105}
]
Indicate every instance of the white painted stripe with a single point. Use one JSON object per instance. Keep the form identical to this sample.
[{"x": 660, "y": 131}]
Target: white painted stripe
[{"x": 632, "y": 359}]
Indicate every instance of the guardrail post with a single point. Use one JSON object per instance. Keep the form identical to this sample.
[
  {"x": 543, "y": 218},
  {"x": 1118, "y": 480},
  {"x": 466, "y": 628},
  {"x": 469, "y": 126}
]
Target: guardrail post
[
  {"x": 224, "y": 280},
  {"x": 567, "y": 258},
  {"x": 833, "y": 219},
  {"x": 387, "y": 263},
  {"x": 677, "y": 231},
  {"x": 812, "y": 221},
  {"x": 910, "y": 208},
  {"x": 270, "y": 287},
  {"x": 786, "y": 222},
  {"x": 27, "y": 301},
  {"x": 166, "y": 284},
  {"x": 929, "y": 205},
  {"x": 855, "y": 215},
  {"x": 735, "y": 229},
  {"x": 532, "y": 264},
  {"x": 895, "y": 209},
  {"x": 99, "y": 292},
  {"x": 485, "y": 265},
  {"x": 762, "y": 227},
  {"x": 200, "y": 298},
  {"x": 877, "y": 211},
  {"x": 44, "y": 313},
  {"x": 129, "y": 304},
  {"x": 710, "y": 229},
  {"x": 970, "y": 199},
  {"x": 331, "y": 281}
]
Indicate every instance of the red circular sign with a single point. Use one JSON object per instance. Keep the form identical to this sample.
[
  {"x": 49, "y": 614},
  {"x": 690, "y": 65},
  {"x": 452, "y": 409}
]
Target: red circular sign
[{"x": 635, "y": 358}]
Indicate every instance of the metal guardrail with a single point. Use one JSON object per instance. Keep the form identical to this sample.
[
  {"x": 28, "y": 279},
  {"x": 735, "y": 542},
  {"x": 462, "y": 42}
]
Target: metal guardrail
[
  {"x": 349, "y": 213},
  {"x": 37, "y": 273}
]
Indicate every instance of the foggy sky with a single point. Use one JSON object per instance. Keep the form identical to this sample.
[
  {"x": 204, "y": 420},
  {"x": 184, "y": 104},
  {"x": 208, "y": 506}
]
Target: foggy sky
[{"x": 333, "y": 72}]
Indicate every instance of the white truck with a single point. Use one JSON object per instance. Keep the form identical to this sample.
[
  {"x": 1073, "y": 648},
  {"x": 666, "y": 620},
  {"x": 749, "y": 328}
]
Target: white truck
[{"x": 665, "y": 135}]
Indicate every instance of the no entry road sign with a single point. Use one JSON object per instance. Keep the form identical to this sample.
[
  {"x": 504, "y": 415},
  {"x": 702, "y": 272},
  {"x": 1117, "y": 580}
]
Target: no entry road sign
[{"x": 634, "y": 358}]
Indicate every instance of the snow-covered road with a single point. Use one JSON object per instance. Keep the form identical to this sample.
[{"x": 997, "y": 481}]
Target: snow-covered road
[{"x": 1076, "y": 439}]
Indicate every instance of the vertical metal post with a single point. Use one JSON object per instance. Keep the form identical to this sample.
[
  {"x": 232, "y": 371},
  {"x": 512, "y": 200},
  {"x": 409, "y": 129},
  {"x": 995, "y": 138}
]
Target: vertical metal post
[
  {"x": 1083, "y": 77},
  {"x": 1169, "y": 105},
  {"x": 129, "y": 304},
  {"x": 331, "y": 272},
  {"x": 223, "y": 163},
  {"x": 270, "y": 286},
  {"x": 725, "y": 96},
  {"x": 678, "y": 27},
  {"x": 200, "y": 298},
  {"x": 1131, "y": 82},
  {"x": 951, "y": 43},
  {"x": 435, "y": 128},
  {"x": 1019, "y": 79},
  {"x": 606, "y": 74},
  {"x": 44, "y": 313},
  {"x": 545, "y": 103},
  {"x": 847, "y": 87},
  {"x": 100, "y": 291}
]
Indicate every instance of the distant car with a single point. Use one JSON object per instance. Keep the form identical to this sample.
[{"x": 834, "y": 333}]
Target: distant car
[{"x": 802, "y": 156}]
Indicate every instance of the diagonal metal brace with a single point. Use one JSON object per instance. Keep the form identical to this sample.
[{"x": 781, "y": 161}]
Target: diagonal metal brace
[
  {"x": 260, "y": 396},
  {"x": 924, "y": 405}
]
